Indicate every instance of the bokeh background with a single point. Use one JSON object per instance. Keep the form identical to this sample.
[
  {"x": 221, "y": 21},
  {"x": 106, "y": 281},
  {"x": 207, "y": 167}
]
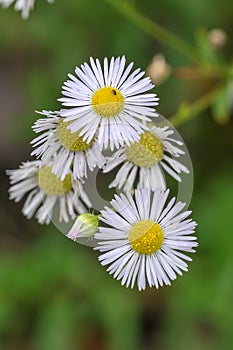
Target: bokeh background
[{"x": 54, "y": 295}]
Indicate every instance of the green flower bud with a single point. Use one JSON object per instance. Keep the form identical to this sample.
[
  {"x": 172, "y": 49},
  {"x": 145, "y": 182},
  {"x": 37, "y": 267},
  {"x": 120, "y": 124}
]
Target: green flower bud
[{"x": 86, "y": 225}]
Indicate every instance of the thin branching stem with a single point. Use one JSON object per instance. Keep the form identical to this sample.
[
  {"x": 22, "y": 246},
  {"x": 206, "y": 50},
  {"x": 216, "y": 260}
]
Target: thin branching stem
[
  {"x": 193, "y": 109},
  {"x": 154, "y": 29}
]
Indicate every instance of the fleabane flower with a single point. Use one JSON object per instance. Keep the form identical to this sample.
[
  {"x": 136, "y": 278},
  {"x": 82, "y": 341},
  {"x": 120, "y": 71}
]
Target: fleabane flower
[
  {"x": 147, "y": 241},
  {"x": 25, "y": 6},
  {"x": 155, "y": 151},
  {"x": 110, "y": 98},
  {"x": 67, "y": 149},
  {"x": 45, "y": 190},
  {"x": 86, "y": 225}
]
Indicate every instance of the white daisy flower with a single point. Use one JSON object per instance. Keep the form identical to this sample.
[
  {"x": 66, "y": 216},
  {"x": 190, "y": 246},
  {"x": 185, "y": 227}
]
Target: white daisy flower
[
  {"x": 155, "y": 151},
  {"x": 45, "y": 190},
  {"x": 67, "y": 149},
  {"x": 146, "y": 239},
  {"x": 109, "y": 98},
  {"x": 25, "y": 6},
  {"x": 85, "y": 226}
]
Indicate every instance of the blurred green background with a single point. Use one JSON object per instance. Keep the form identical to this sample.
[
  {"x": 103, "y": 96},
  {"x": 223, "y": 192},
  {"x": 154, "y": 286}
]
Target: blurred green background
[{"x": 53, "y": 293}]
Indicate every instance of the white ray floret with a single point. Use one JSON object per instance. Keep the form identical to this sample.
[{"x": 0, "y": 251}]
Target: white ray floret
[
  {"x": 45, "y": 191},
  {"x": 111, "y": 98},
  {"x": 25, "y": 6},
  {"x": 155, "y": 152},
  {"x": 68, "y": 150},
  {"x": 147, "y": 240}
]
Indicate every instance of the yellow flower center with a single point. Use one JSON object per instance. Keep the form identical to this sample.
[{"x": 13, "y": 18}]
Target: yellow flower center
[
  {"x": 145, "y": 152},
  {"x": 69, "y": 140},
  {"x": 52, "y": 185},
  {"x": 107, "y": 102},
  {"x": 146, "y": 237}
]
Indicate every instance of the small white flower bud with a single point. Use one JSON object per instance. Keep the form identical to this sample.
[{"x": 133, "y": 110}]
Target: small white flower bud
[
  {"x": 86, "y": 225},
  {"x": 158, "y": 70},
  {"x": 217, "y": 38}
]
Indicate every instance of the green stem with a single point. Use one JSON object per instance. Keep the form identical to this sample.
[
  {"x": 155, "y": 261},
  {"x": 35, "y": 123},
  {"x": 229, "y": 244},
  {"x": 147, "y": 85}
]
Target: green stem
[
  {"x": 154, "y": 29},
  {"x": 189, "y": 111}
]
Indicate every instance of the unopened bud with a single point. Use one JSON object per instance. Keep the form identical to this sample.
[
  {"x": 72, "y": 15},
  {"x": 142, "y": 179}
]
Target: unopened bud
[
  {"x": 217, "y": 38},
  {"x": 86, "y": 225},
  {"x": 158, "y": 69}
]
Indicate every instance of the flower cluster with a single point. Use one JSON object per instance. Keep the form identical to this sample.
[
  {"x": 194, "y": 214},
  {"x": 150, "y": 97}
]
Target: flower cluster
[{"x": 108, "y": 108}]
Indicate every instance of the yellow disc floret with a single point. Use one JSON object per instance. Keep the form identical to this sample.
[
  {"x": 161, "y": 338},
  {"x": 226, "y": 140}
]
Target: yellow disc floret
[
  {"x": 52, "y": 185},
  {"x": 145, "y": 152},
  {"x": 69, "y": 140},
  {"x": 146, "y": 237},
  {"x": 107, "y": 102}
]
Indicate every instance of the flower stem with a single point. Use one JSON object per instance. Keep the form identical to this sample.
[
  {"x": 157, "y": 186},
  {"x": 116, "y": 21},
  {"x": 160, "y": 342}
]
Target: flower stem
[
  {"x": 187, "y": 111},
  {"x": 154, "y": 29}
]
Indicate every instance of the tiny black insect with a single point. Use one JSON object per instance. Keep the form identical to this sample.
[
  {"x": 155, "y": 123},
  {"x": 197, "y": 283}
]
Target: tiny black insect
[{"x": 114, "y": 92}]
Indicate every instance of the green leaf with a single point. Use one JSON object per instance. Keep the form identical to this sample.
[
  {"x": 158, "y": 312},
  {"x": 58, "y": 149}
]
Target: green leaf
[
  {"x": 204, "y": 48},
  {"x": 221, "y": 105}
]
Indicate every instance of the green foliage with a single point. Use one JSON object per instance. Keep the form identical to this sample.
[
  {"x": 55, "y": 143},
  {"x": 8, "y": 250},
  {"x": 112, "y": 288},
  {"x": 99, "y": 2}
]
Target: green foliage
[
  {"x": 49, "y": 293},
  {"x": 221, "y": 107}
]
